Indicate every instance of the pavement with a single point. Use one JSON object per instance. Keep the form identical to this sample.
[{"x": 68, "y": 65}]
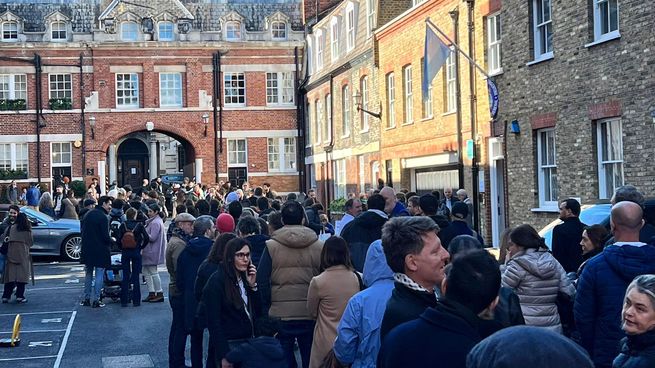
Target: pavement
[{"x": 58, "y": 332}]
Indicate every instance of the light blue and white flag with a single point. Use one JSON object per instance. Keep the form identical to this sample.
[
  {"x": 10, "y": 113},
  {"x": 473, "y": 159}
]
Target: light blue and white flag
[{"x": 434, "y": 57}]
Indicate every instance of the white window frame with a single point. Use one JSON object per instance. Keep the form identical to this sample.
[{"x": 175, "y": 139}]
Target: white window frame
[
  {"x": 310, "y": 55},
  {"x": 276, "y": 30},
  {"x": 129, "y": 35},
  {"x": 13, "y": 84},
  {"x": 494, "y": 44},
  {"x": 451, "y": 84},
  {"x": 234, "y": 161},
  {"x": 346, "y": 118},
  {"x": 280, "y": 88},
  {"x": 351, "y": 21},
  {"x": 60, "y": 93},
  {"x": 547, "y": 183},
  {"x": 234, "y": 82},
  {"x": 56, "y": 155},
  {"x": 417, "y": 2},
  {"x": 408, "y": 114},
  {"x": 134, "y": 78},
  {"x": 375, "y": 173},
  {"x": 319, "y": 121},
  {"x": 362, "y": 173},
  {"x": 391, "y": 100},
  {"x": 165, "y": 95},
  {"x": 10, "y": 31},
  {"x": 284, "y": 148},
  {"x": 164, "y": 35},
  {"x": 371, "y": 14},
  {"x": 334, "y": 38},
  {"x": 60, "y": 27},
  {"x": 340, "y": 179},
  {"x": 309, "y": 130},
  {"x": 12, "y": 162},
  {"x": 605, "y": 189},
  {"x": 603, "y": 16},
  {"x": 364, "y": 91},
  {"x": 320, "y": 49},
  {"x": 540, "y": 29},
  {"x": 327, "y": 133},
  {"x": 233, "y": 30}
]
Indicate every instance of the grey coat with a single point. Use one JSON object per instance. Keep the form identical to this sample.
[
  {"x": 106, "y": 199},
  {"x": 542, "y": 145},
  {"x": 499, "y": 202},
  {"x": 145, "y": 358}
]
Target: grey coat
[{"x": 536, "y": 277}]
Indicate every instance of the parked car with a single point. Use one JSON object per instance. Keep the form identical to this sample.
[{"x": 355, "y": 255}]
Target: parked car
[{"x": 590, "y": 214}]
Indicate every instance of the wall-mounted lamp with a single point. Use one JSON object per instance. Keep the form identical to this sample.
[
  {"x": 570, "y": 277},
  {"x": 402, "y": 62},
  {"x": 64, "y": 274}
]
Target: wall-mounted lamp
[
  {"x": 150, "y": 126},
  {"x": 358, "y": 101},
  {"x": 92, "y": 124},
  {"x": 515, "y": 127},
  {"x": 205, "y": 120}
]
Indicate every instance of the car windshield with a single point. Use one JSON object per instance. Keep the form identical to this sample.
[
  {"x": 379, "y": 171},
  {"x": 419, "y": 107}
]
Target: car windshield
[
  {"x": 590, "y": 215},
  {"x": 37, "y": 215}
]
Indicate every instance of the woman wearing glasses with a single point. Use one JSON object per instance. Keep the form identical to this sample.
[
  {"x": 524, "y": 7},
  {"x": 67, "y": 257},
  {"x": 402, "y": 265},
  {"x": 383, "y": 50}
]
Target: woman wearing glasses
[{"x": 231, "y": 300}]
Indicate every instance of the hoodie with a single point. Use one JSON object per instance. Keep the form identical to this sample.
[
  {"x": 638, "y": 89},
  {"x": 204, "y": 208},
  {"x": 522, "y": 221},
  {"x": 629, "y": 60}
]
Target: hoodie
[
  {"x": 187, "y": 268},
  {"x": 537, "y": 277},
  {"x": 263, "y": 351},
  {"x": 599, "y": 299},
  {"x": 358, "y": 334},
  {"x": 360, "y": 233}
]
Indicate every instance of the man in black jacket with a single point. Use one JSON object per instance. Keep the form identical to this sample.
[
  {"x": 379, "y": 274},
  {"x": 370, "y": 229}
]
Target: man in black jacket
[
  {"x": 567, "y": 236},
  {"x": 96, "y": 246},
  {"x": 364, "y": 230}
]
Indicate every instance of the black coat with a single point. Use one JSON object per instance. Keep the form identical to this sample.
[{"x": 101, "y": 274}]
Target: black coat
[
  {"x": 186, "y": 271},
  {"x": 404, "y": 305},
  {"x": 637, "y": 351},
  {"x": 257, "y": 246},
  {"x": 360, "y": 233},
  {"x": 140, "y": 233},
  {"x": 457, "y": 228},
  {"x": 508, "y": 310},
  {"x": 259, "y": 352},
  {"x": 205, "y": 271},
  {"x": 566, "y": 243},
  {"x": 96, "y": 242}
]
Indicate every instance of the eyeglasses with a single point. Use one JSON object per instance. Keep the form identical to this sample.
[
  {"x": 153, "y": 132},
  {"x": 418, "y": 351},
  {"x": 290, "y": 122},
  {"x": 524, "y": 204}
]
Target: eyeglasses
[{"x": 242, "y": 255}]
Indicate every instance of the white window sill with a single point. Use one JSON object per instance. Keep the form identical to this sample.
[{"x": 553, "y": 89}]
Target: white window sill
[
  {"x": 170, "y": 106},
  {"x": 604, "y": 38},
  {"x": 545, "y": 209},
  {"x": 234, "y": 105},
  {"x": 345, "y": 136},
  {"x": 389, "y": 128},
  {"x": 363, "y": 131},
  {"x": 119, "y": 107},
  {"x": 493, "y": 73},
  {"x": 405, "y": 124},
  {"x": 449, "y": 113},
  {"x": 427, "y": 118},
  {"x": 545, "y": 57}
]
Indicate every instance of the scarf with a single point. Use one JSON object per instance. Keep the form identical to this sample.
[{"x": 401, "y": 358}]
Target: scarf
[{"x": 409, "y": 283}]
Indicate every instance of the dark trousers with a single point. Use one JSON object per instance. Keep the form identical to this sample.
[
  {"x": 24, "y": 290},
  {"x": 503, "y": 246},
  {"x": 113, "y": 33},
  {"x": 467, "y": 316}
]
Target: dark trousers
[
  {"x": 9, "y": 288},
  {"x": 131, "y": 263},
  {"x": 196, "y": 347},
  {"x": 303, "y": 332},
  {"x": 177, "y": 336}
]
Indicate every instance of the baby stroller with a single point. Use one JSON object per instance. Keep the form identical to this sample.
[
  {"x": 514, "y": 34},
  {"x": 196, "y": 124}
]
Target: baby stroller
[{"x": 111, "y": 280}]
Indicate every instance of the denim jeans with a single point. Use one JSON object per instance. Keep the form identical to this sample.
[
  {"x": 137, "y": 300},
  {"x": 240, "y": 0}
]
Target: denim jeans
[
  {"x": 290, "y": 331},
  {"x": 131, "y": 263},
  {"x": 97, "y": 282}
]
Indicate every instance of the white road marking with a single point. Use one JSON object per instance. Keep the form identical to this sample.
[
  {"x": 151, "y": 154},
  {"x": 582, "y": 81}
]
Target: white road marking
[
  {"x": 51, "y": 320},
  {"x": 55, "y": 288},
  {"x": 28, "y": 358},
  {"x": 72, "y": 281},
  {"x": 34, "y": 344},
  {"x": 32, "y": 331},
  {"x": 31, "y": 313},
  {"x": 65, "y": 340}
]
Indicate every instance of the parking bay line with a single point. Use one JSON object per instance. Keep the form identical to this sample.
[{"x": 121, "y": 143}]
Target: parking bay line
[
  {"x": 28, "y": 358},
  {"x": 65, "y": 340},
  {"x": 55, "y": 288},
  {"x": 31, "y": 331},
  {"x": 32, "y": 313}
]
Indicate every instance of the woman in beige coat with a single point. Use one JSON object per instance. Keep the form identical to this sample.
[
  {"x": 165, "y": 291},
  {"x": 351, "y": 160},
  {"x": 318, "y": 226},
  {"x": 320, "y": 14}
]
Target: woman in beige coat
[
  {"x": 328, "y": 296},
  {"x": 17, "y": 269}
]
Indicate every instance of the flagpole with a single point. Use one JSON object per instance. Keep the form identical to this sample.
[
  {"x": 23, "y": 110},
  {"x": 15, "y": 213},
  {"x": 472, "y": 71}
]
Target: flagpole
[{"x": 456, "y": 46}]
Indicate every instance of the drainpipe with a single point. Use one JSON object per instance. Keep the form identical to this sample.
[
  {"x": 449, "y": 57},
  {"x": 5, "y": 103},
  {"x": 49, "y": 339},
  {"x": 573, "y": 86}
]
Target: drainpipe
[
  {"x": 475, "y": 168},
  {"x": 330, "y": 147},
  {"x": 454, "y": 14},
  {"x": 39, "y": 113},
  {"x": 216, "y": 71},
  {"x": 300, "y": 125},
  {"x": 83, "y": 122}
]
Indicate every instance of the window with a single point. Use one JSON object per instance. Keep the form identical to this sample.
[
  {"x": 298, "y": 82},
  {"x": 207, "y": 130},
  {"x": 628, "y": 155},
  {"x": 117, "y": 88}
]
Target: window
[
  {"x": 233, "y": 31},
  {"x": 370, "y": 17},
  {"x": 391, "y": 101},
  {"x": 61, "y": 86},
  {"x": 10, "y": 31},
  {"x": 236, "y": 152},
  {"x": 319, "y": 121},
  {"x": 320, "y": 44},
  {"x": 427, "y": 100},
  {"x": 543, "y": 29},
  {"x": 417, "y": 2},
  {"x": 350, "y": 26},
  {"x": 328, "y": 118},
  {"x": 14, "y": 156},
  {"x": 129, "y": 31},
  {"x": 308, "y": 132},
  {"x": 494, "y": 55},
  {"x": 61, "y": 153},
  {"x": 281, "y": 154},
  {"x": 606, "y": 19},
  {"x": 407, "y": 86},
  {"x": 279, "y": 88},
  {"x": 170, "y": 89},
  {"x": 279, "y": 30},
  {"x": 547, "y": 170},
  {"x": 363, "y": 86},
  {"x": 13, "y": 87},
  {"x": 610, "y": 156},
  {"x": 362, "y": 174},
  {"x": 58, "y": 31},
  {"x": 235, "y": 88},
  {"x": 451, "y": 84},
  {"x": 310, "y": 55},
  {"x": 340, "y": 178},
  {"x": 334, "y": 39},
  {"x": 166, "y": 31},
  {"x": 345, "y": 111},
  {"x": 127, "y": 90},
  {"x": 375, "y": 173}
]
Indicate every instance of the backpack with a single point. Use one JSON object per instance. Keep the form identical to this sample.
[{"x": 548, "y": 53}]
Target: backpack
[
  {"x": 128, "y": 241},
  {"x": 114, "y": 225}
]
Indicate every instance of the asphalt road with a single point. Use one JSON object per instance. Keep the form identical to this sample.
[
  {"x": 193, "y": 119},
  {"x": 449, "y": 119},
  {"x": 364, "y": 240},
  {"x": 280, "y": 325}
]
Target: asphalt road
[{"x": 58, "y": 332}]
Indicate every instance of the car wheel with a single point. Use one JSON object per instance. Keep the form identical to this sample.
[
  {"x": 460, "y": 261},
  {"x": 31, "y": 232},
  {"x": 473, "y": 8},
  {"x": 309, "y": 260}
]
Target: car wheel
[{"x": 71, "y": 249}]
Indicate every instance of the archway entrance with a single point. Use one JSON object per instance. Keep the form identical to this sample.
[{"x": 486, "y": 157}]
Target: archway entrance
[{"x": 132, "y": 162}]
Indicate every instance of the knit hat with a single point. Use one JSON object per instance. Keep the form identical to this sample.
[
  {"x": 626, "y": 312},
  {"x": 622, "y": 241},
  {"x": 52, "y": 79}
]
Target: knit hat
[
  {"x": 231, "y": 197},
  {"x": 225, "y": 223},
  {"x": 460, "y": 210},
  {"x": 184, "y": 217}
]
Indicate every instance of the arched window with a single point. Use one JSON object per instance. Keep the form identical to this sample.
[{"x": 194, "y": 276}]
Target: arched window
[
  {"x": 166, "y": 31},
  {"x": 233, "y": 31},
  {"x": 10, "y": 31},
  {"x": 279, "y": 30},
  {"x": 129, "y": 31},
  {"x": 58, "y": 31}
]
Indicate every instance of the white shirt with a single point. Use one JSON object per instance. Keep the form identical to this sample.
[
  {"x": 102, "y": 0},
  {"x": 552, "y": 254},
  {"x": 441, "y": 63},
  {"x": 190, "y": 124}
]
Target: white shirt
[{"x": 339, "y": 225}]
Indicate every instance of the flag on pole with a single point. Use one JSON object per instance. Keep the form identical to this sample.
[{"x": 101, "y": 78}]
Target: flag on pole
[{"x": 434, "y": 57}]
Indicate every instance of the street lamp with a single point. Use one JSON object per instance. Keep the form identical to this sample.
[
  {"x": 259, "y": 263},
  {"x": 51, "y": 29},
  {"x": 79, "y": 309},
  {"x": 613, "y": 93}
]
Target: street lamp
[
  {"x": 205, "y": 120},
  {"x": 358, "y": 101},
  {"x": 92, "y": 124}
]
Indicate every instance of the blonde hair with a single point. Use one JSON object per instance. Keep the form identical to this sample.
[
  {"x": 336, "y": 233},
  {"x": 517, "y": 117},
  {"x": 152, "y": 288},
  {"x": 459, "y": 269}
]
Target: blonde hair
[{"x": 645, "y": 284}]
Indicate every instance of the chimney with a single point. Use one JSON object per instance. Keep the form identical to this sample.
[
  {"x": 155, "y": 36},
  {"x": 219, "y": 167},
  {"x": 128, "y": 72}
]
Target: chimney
[{"x": 309, "y": 8}]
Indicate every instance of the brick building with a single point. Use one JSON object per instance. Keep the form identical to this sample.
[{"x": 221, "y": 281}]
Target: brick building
[
  {"x": 88, "y": 88},
  {"x": 577, "y": 111}
]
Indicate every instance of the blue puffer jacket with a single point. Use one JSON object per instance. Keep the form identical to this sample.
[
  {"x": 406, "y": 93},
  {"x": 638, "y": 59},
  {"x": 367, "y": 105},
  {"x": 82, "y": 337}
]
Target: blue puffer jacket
[
  {"x": 358, "y": 334},
  {"x": 600, "y": 293}
]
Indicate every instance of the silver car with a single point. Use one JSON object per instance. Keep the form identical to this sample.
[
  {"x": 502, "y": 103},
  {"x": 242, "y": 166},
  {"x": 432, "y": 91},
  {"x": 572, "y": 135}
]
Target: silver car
[{"x": 54, "y": 237}]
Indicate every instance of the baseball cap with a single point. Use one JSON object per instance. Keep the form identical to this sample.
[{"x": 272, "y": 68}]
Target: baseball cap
[{"x": 184, "y": 217}]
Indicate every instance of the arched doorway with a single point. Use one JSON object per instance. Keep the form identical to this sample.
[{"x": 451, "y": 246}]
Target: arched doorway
[{"x": 132, "y": 162}]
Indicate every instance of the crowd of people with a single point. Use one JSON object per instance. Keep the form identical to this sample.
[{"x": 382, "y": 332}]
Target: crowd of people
[{"x": 401, "y": 280}]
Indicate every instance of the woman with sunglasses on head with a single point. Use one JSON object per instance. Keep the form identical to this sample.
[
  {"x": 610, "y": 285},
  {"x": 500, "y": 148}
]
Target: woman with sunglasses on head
[{"x": 231, "y": 300}]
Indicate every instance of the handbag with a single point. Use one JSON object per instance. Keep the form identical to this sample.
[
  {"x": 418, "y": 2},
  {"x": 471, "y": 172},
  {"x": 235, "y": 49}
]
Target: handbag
[{"x": 4, "y": 248}]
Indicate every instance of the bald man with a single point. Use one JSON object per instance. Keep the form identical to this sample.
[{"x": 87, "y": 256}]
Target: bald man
[
  {"x": 392, "y": 206},
  {"x": 604, "y": 279}
]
